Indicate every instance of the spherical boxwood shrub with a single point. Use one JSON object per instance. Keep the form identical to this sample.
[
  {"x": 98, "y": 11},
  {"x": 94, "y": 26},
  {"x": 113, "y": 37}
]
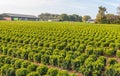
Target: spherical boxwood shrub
[
  {"x": 118, "y": 53},
  {"x": 5, "y": 49},
  {"x": 32, "y": 67},
  {"x": 81, "y": 48},
  {"x": 112, "y": 71},
  {"x": 42, "y": 70},
  {"x": 2, "y": 58},
  {"x": 45, "y": 59},
  {"x": 112, "y": 45},
  {"x": 18, "y": 54},
  {"x": 33, "y": 74},
  {"x": 52, "y": 72},
  {"x": 98, "y": 51},
  {"x": 118, "y": 46},
  {"x": 104, "y": 44},
  {"x": 24, "y": 54},
  {"x": 25, "y": 64},
  {"x": 13, "y": 60},
  {"x": 76, "y": 64},
  {"x": 112, "y": 61},
  {"x": 54, "y": 60},
  {"x": 1, "y": 50},
  {"x": 62, "y": 73},
  {"x": 10, "y": 72},
  {"x": 9, "y": 52},
  {"x": 37, "y": 58},
  {"x": 110, "y": 51},
  {"x": 18, "y": 64},
  {"x": 30, "y": 56},
  {"x": 1, "y": 64},
  {"x": 8, "y": 60},
  {"x": 4, "y": 69},
  {"x": 22, "y": 72},
  {"x": 89, "y": 50}
]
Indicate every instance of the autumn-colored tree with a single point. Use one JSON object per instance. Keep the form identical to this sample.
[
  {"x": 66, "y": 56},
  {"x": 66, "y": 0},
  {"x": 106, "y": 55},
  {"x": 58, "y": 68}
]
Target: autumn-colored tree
[
  {"x": 86, "y": 18},
  {"x": 100, "y": 18}
]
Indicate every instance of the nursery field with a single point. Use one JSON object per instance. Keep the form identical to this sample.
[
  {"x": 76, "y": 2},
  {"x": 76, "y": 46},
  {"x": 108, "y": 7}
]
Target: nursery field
[{"x": 59, "y": 49}]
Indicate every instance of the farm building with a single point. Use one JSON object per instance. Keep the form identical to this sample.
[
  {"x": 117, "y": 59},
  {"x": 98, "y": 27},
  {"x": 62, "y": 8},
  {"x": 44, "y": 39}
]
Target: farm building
[
  {"x": 91, "y": 21},
  {"x": 18, "y": 17}
]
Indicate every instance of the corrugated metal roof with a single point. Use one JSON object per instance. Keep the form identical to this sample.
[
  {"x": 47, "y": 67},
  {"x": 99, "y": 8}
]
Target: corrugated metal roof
[{"x": 19, "y": 15}]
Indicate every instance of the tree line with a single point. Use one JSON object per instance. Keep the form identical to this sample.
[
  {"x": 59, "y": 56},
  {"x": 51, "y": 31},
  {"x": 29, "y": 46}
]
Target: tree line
[
  {"x": 102, "y": 17},
  {"x": 63, "y": 17},
  {"x": 108, "y": 18}
]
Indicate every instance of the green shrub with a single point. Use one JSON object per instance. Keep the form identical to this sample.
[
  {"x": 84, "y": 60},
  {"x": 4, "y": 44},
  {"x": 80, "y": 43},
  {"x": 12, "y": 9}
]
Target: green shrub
[
  {"x": 9, "y": 52},
  {"x": 72, "y": 74},
  {"x": 37, "y": 58},
  {"x": 118, "y": 53},
  {"x": 112, "y": 61},
  {"x": 25, "y": 64},
  {"x": 18, "y": 64},
  {"x": 1, "y": 50},
  {"x": 98, "y": 51},
  {"x": 67, "y": 63},
  {"x": 76, "y": 64},
  {"x": 89, "y": 50},
  {"x": 54, "y": 60},
  {"x": 60, "y": 61},
  {"x": 110, "y": 51},
  {"x": 8, "y": 60},
  {"x": 7, "y": 70},
  {"x": 1, "y": 64},
  {"x": 30, "y": 56},
  {"x": 24, "y": 54},
  {"x": 18, "y": 54},
  {"x": 52, "y": 72},
  {"x": 118, "y": 46},
  {"x": 112, "y": 45},
  {"x": 4, "y": 69},
  {"x": 42, "y": 70},
  {"x": 105, "y": 44},
  {"x": 102, "y": 59},
  {"x": 110, "y": 71},
  {"x": 13, "y": 60},
  {"x": 5, "y": 49},
  {"x": 21, "y": 72},
  {"x": 33, "y": 74},
  {"x": 98, "y": 67},
  {"x": 63, "y": 73},
  {"x": 10, "y": 72},
  {"x": 32, "y": 67},
  {"x": 45, "y": 59},
  {"x": 81, "y": 48},
  {"x": 2, "y": 58}
]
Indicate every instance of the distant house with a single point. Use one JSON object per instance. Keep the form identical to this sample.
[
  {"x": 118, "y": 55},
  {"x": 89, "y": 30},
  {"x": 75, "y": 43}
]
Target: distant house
[
  {"x": 91, "y": 21},
  {"x": 18, "y": 17}
]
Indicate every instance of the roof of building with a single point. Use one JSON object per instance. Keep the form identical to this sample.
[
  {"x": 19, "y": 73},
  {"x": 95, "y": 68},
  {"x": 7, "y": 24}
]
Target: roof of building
[{"x": 18, "y": 15}]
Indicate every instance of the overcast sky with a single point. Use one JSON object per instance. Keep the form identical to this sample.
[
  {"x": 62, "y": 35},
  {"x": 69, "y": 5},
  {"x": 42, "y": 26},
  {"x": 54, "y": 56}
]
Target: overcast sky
[{"x": 35, "y": 7}]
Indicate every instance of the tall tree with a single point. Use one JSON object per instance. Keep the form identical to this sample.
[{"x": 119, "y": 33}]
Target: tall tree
[
  {"x": 64, "y": 17},
  {"x": 100, "y": 18},
  {"x": 86, "y": 18},
  {"x": 110, "y": 18}
]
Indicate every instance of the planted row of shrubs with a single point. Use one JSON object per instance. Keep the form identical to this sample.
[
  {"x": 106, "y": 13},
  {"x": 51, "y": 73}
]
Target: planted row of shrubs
[{"x": 15, "y": 67}]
